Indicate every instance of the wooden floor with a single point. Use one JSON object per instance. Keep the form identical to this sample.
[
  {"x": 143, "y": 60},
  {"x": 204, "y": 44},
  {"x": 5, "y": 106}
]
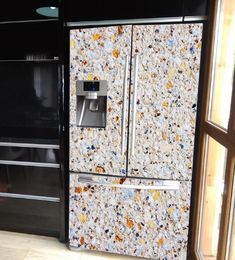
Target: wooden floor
[{"x": 16, "y": 246}]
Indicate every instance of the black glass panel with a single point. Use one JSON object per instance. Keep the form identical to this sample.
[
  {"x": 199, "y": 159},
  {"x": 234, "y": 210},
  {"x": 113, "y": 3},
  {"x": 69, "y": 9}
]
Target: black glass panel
[
  {"x": 29, "y": 94},
  {"x": 29, "y": 132},
  {"x": 195, "y": 7},
  {"x": 22, "y": 40},
  {"x": 106, "y": 10},
  {"x": 37, "y": 217},
  {"x": 29, "y": 154},
  {"x": 30, "y": 180}
]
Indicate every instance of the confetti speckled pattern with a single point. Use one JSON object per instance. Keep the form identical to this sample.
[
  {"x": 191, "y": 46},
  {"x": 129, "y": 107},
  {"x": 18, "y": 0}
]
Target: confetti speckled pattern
[
  {"x": 134, "y": 221},
  {"x": 169, "y": 62},
  {"x": 99, "y": 54},
  {"x": 168, "y": 77},
  {"x": 138, "y": 222}
]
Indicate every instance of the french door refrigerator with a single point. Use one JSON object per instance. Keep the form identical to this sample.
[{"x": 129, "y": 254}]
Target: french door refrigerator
[{"x": 130, "y": 173}]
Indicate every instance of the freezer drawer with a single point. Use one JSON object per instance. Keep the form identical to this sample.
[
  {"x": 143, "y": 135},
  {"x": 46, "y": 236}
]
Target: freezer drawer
[{"x": 110, "y": 215}]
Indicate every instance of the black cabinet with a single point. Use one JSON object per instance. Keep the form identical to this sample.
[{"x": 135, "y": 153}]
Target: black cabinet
[
  {"x": 30, "y": 186},
  {"x": 30, "y": 216},
  {"x": 31, "y": 180},
  {"x": 25, "y": 10},
  {"x": 106, "y": 10},
  {"x": 11, "y": 153},
  {"x": 29, "y": 40},
  {"x": 195, "y": 7},
  {"x": 29, "y": 100},
  {"x": 28, "y": 180}
]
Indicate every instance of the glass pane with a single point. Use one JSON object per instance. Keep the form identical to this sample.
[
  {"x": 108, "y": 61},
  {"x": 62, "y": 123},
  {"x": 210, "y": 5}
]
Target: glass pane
[
  {"x": 224, "y": 66},
  {"x": 232, "y": 238},
  {"x": 212, "y": 202}
]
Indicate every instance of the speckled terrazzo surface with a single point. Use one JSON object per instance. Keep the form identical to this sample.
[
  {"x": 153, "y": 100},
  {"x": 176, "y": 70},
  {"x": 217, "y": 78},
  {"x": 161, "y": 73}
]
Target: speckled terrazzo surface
[
  {"x": 135, "y": 221},
  {"x": 147, "y": 223},
  {"x": 99, "y": 53},
  {"x": 169, "y": 58},
  {"x": 169, "y": 61}
]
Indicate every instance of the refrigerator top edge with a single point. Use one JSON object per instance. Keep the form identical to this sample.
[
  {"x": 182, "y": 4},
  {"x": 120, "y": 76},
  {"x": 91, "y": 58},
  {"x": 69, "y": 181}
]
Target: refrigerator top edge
[{"x": 159, "y": 20}]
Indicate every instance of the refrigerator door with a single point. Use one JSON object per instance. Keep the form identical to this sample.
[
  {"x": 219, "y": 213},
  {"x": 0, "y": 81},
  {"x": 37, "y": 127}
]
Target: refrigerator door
[
  {"x": 100, "y": 54},
  {"x": 166, "y": 63},
  {"x": 135, "y": 217}
]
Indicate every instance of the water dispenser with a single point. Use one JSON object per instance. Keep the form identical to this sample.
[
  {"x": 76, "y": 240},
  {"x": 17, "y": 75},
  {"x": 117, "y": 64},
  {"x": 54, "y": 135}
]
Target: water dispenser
[{"x": 91, "y": 103}]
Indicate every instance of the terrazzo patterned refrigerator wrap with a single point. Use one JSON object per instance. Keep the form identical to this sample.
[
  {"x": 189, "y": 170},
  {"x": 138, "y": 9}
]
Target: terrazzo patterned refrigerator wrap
[{"x": 152, "y": 73}]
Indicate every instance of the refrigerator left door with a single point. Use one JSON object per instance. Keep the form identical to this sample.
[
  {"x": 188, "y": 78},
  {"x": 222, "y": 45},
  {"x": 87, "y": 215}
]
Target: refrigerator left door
[{"x": 100, "y": 54}]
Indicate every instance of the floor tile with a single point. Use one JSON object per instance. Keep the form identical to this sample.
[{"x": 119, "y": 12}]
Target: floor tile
[
  {"x": 18, "y": 246},
  {"x": 12, "y": 254}
]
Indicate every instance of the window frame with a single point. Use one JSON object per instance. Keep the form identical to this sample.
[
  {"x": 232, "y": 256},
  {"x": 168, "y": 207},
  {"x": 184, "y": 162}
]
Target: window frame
[{"x": 224, "y": 137}]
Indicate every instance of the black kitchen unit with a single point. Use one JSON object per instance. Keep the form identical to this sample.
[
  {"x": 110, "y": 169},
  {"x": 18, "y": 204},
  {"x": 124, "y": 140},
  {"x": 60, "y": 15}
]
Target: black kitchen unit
[
  {"x": 31, "y": 180},
  {"x": 125, "y": 10},
  {"x": 34, "y": 101}
]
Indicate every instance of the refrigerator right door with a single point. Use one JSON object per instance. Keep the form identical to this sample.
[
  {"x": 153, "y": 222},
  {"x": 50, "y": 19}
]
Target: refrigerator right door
[{"x": 166, "y": 64}]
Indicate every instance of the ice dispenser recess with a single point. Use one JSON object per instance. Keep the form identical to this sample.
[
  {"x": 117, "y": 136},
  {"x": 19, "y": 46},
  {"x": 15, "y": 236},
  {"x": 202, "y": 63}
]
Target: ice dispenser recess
[{"x": 91, "y": 103}]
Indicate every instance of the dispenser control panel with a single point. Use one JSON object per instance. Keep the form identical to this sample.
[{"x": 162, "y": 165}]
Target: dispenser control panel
[
  {"x": 91, "y": 86},
  {"x": 84, "y": 87}
]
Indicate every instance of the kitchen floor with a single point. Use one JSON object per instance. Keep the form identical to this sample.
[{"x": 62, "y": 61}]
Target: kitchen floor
[{"x": 18, "y": 246}]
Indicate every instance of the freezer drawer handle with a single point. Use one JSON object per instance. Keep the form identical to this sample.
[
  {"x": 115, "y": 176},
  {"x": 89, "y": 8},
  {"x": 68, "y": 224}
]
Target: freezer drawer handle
[
  {"x": 135, "y": 85},
  {"x": 29, "y": 145},
  {"x": 124, "y": 105},
  {"x": 160, "y": 185},
  {"x": 33, "y": 164},
  {"x": 28, "y": 197}
]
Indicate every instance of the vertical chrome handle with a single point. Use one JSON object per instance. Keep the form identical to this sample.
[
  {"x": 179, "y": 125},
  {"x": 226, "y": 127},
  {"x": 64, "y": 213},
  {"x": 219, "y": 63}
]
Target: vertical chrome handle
[
  {"x": 135, "y": 85},
  {"x": 124, "y": 105}
]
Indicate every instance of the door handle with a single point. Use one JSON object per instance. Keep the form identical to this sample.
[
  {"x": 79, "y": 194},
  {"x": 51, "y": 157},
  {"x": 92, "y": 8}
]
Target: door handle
[
  {"x": 125, "y": 83},
  {"x": 135, "y": 85},
  {"x": 158, "y": 185}
]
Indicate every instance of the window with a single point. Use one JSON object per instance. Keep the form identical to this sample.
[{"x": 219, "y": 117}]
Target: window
[
  {"x": 213, "y": 213},
  {"x": 222, "y": 79},
  {"x": 213, "y": 194}
]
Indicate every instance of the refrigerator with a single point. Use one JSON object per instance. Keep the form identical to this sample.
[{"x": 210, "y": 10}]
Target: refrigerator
[{"x": 133, "y": 105}]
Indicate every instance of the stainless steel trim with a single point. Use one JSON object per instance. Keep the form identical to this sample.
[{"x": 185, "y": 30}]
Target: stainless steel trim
[
  {"x": 195, "y": 18},
  {"x": 29, "y": 197},
  {"x": 161, "y": 185},
  {"x": 126, "y": 21},
  {"x": 34, "y": 164},
  {"x": 29, "y": 21},
  {"x": 29, "y": 145},
  {"x": 135, "y": 85},
  {"x": 31, "y": 60},
  {"x": 124, "y": 106}
]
